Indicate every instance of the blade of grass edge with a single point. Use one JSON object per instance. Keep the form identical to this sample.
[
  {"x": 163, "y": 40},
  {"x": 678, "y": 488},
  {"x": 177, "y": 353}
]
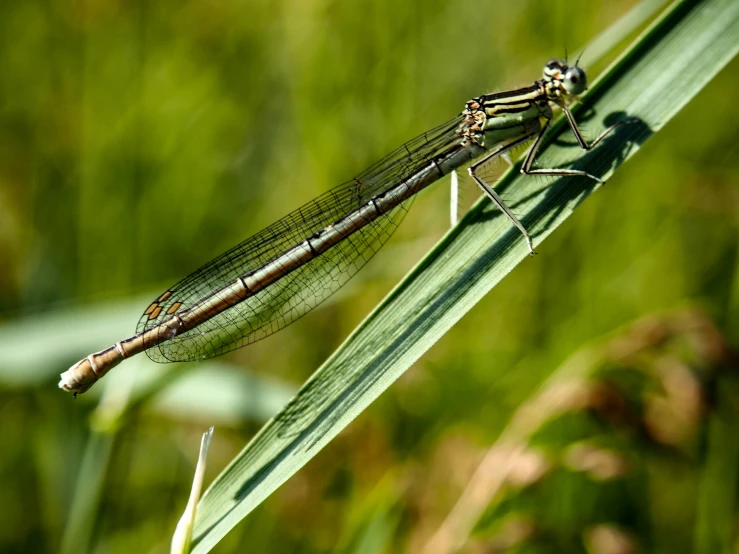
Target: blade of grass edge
[{"x": 664, "y": 68}]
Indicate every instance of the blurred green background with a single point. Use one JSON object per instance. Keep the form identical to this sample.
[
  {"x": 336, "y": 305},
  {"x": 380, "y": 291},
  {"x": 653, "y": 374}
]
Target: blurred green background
[{"x": 138, "y": 140}]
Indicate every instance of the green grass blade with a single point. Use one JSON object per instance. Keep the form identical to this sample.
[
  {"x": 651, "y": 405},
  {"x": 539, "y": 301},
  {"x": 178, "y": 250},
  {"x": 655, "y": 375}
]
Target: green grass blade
[
  {"x": 666, "y": 67},
  {"x": 635, "y": 18},
  {"x": 717, "y": 495},
  {"x": 80, "y": 524},
  {"x": 183, "y": 532}
]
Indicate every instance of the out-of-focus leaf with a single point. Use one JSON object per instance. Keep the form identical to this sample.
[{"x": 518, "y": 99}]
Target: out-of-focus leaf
[
  {"x": 35, "y": 350},
  {"x": 221, "y": 394},
  {"x": 38, "y": 348}
]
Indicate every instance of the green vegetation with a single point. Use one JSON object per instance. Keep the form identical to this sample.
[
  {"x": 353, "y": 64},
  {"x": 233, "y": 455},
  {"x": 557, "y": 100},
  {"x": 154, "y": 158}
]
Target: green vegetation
[{"x": 588, "y": 402}]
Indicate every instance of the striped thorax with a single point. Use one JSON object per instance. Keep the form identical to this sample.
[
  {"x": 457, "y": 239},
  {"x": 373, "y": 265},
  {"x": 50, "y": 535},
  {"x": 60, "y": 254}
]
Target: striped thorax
[{"x": 500, "y": 116}]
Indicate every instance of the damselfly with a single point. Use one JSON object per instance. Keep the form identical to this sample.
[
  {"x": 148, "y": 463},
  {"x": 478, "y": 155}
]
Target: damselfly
[{"x": 276, "y": 276}]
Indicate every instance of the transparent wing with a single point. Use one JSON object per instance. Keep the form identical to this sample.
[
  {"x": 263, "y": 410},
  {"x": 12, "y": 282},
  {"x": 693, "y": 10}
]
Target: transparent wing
[{"x": 298, "y": 292}]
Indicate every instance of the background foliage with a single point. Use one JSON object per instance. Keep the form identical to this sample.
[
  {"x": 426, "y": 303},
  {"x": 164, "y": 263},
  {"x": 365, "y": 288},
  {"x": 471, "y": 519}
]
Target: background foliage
[{"x": 137, "y": 140}]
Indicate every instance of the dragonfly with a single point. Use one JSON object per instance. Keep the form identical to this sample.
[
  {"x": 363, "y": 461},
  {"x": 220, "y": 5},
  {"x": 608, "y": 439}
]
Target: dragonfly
[{"x": 279, "y": 274}]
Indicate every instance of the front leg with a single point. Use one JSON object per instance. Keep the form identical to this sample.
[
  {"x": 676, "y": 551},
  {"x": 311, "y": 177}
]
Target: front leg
[
  {"x": 578, "y": 135},
  {"x": 526, "y": 167}
]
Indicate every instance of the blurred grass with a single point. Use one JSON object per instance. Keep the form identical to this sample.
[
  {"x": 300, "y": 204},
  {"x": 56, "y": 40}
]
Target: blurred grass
[{"x": 138, "y": 140}]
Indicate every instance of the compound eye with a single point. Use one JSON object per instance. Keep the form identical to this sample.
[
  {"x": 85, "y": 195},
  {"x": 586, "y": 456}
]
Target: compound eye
[{"x": 575, "y": 81}]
